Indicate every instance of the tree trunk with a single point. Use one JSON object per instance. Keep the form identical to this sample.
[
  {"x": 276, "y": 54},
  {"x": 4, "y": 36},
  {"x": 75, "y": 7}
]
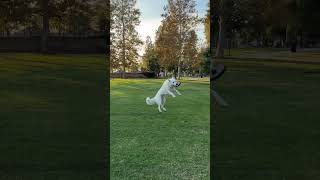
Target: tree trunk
[
  {"x": 287, "y": 35},
  {"x": 8, "y": 32},
  {"x": 123, "y": 58},
  {"x": 229, "y": 46},
  {"x": 301, "y": 40},
  {"x": 220, "y": 45},
  {"x": 181, "y": 52},
  {"x": 124, "y": 72},
  {"x": 24, "y": 29},
  {"x": 123, "y": 47},
  {"x": 179, "y": 69},
  {"x": 45, "y": 26}
]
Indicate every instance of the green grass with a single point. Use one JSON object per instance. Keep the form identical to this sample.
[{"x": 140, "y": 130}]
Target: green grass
[
  {"x": 52, "y": 116},
  {"x": 271, "y": 128},
  {"x": 146, "y": 144},
  {"x": 276, "y": 54}
]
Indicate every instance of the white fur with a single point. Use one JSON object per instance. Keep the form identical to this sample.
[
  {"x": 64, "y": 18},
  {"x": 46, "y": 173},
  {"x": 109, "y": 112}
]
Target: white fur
[{"x": 168, "y": 88}]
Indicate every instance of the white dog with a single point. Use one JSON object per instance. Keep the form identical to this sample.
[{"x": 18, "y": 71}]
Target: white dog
[{"x": 167, "y": 88}]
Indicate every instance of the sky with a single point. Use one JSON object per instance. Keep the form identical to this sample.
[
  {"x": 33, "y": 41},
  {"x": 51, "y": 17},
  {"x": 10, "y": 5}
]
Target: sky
[{"x": 150, "y": 18}]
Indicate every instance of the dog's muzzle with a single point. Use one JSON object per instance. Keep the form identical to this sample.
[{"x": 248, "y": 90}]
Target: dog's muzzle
[{"x": 178, "y": 84}]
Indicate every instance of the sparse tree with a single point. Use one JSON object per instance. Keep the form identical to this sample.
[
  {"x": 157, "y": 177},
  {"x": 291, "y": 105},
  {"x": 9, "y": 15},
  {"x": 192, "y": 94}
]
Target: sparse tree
[{"x": 124, "y": 37}]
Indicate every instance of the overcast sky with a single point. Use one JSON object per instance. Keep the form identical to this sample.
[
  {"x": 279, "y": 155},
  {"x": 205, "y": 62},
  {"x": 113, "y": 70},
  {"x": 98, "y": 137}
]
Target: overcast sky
[{"x": 150, "y": 18}]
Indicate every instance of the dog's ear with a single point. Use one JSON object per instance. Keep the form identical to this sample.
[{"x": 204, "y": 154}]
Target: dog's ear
[{"x": 169, "y": 80}]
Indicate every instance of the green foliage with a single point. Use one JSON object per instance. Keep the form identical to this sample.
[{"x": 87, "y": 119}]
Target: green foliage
[
  {"x": 166, "y": 45},
  {"x": 181, "y": 14},
  {"x": 266, "y": 21},
  {"x": 13, "y": 13},
  {"x": 149, "y": 59},
  {"x": 176, "y": 41},
  {"x": 76, "y": 17},
  {"x": 191, "y": 61},
  {"x": 205, "y": 60}
]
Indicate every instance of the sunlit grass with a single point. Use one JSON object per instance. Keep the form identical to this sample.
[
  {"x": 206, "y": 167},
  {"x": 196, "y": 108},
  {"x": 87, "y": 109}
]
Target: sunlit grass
[{"x": 148, "y": 145}]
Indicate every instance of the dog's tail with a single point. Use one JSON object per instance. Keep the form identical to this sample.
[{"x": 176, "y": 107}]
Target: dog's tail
[{"x": 149, "y": 101}]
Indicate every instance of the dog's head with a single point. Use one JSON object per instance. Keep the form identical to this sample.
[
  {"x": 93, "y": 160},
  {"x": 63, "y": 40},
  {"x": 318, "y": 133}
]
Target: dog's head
[{"x": 174, "y": 83}]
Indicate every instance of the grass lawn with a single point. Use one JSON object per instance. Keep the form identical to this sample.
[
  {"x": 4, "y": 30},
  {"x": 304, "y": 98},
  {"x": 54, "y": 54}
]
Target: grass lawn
[
  {"x": 310, "y": 56},
  {"x": 52, "y": 116},
  {"x": 271, "y": 129},
  {"x": 146, "y": 144}
]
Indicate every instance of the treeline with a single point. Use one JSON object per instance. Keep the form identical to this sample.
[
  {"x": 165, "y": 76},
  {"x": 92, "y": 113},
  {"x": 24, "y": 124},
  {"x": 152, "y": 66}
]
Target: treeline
[
  {"x": 268, "y": 23},
  {"x": 163, "y": 56},
  {"x": 176, "y": 48},
  {"x": 59, "y": 17}
]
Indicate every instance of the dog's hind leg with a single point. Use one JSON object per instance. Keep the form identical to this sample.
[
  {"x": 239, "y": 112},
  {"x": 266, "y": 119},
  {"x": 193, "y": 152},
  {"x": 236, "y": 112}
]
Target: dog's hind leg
[
  {"x": 159, "y": 103},
  {"x": 159, "y": 108}
]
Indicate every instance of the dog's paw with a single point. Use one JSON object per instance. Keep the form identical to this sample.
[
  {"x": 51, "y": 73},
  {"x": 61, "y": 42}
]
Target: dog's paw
[{"x": 164, "y": 109}]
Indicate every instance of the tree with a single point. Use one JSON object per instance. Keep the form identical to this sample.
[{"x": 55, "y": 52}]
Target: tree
[
  {"x": 78, "y": 17},
  {"x": 190, "y": 53},
  {"x": 205, "y": 60},
  {"x": 14, "y": 14},
  {"x": 44, "y": 9},
  {"x": 309, "y": 19},
  {"x": 227, "y": 16},
  {"x": 45, "y": 25},
  {"x": 218, "y": 17},
  {"x": 266, "y": 22},
  {"x": 124, "y": 37},
  {"x": 149, "y": 59},
  {"x": 101, "y": 16},
  {"x": 184, "y": 15},
  {"x": 166, "y": 45},
  {"x": 207, "y": 26}
]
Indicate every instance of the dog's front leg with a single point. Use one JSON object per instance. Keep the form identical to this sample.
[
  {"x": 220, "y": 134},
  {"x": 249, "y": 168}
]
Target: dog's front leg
[
  {"x": 171, "y": 93},
  {"x": 177, "y": 92},
  {"x": 159, "y": 108}
]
